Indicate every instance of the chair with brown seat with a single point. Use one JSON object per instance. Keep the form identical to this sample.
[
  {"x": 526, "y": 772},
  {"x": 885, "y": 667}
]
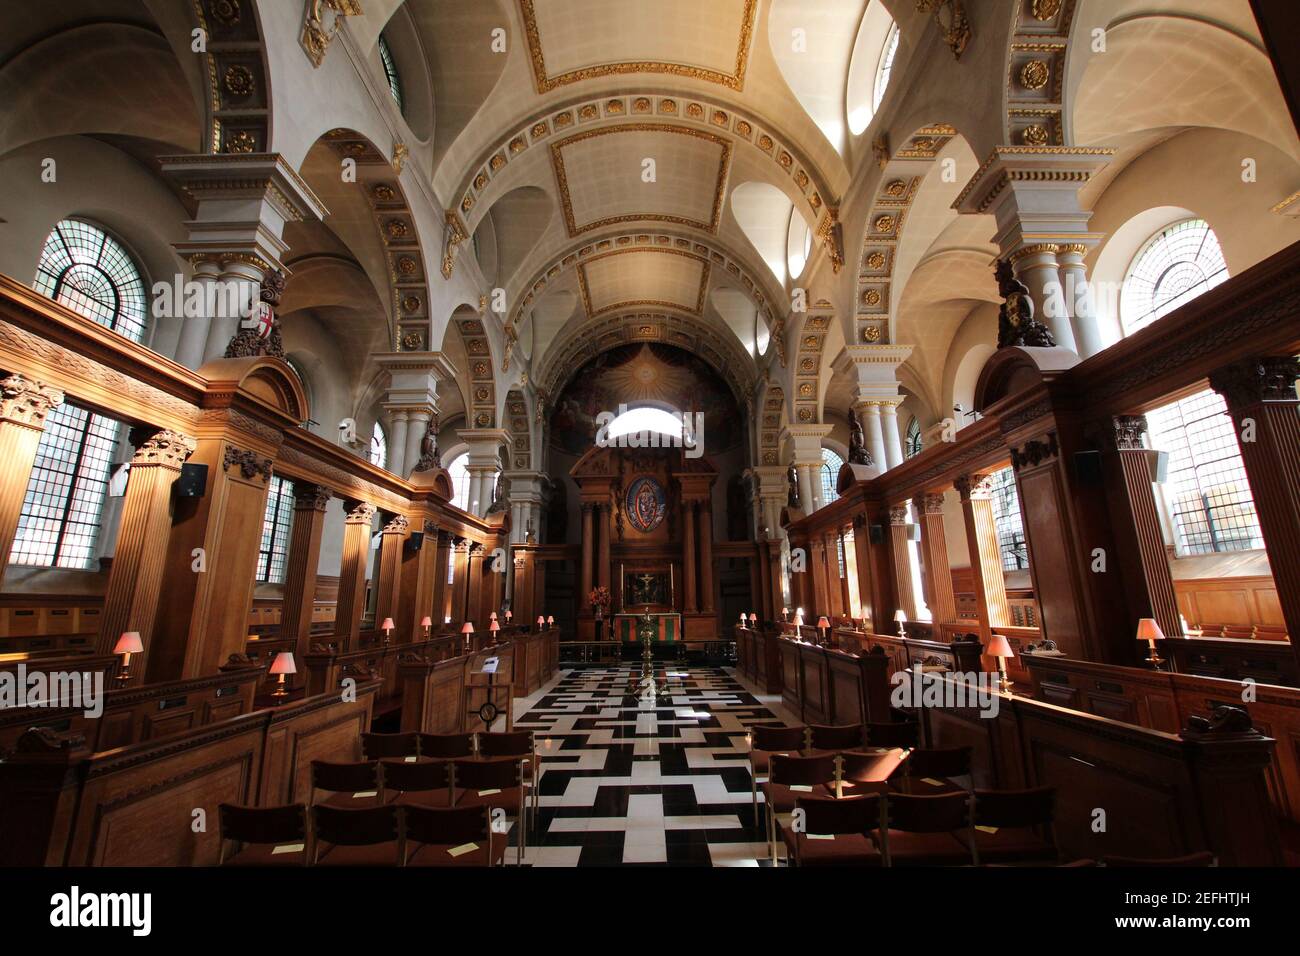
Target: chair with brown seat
[
  {"x": 929, "y": 771},
  {"x": 1204, "y": 858},
  {"x": 427, "y": 784},
  {"x": 522, "y": 745},
  {"x": 367, "y": 836},
  {"x": 767, "y": 739},
  {"x": 446, "y": 746},
  {"x": 834, "y": 738},
  {"x": 790, "y": 777},
  {"x": 867, "y": 772},
  {"x": 926, "y": 831},
  {"x": 493, "y": 782},
  {"x": 1015, "y": 826},
  {"x": 351, "y": 784},
  {"x": 834, "y": 832},
  {"x": 265, "y": 836},
  {"x": 451, "y": 836},
  {"x": 894, "y": 733},
  {"x": 389, "y": 746}
]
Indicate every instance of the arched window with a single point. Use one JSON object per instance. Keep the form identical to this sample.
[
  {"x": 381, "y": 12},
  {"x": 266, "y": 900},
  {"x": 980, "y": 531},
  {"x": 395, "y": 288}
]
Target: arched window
[
  {"x": 871, "y": 66},
  {"x": 390, "y": 70},
  {"x": 277, "y": 521},
  {"x": 831, "y": 465},
  {"x": 1175, "y": 266},
  {"x": 459, "y": 471},
  {"x": 379, "y": 447},
  {"x": 90, "y": 272},
  {"x": 914, "y": 442},
  {"x": 884, "y": 68},
  {"x": 798, "y": 243},
  {"x": 1007, "y": 521}
]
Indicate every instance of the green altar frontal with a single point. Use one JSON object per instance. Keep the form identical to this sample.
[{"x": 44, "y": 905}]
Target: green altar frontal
[{"x": 667, "y": 627}]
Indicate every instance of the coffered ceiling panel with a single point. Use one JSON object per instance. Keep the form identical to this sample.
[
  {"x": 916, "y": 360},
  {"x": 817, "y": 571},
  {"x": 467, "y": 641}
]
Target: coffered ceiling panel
[
  {"x": 600, "y": 176},
  {"x": 574, "y": 40},
  {"x": 663, "y": 278}
]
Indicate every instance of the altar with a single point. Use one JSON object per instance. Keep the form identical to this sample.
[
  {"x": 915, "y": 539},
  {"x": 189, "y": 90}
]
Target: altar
[{"x": 665, "y": 626}]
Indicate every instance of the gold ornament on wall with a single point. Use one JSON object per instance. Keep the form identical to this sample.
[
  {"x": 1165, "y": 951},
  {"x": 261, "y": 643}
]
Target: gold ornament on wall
[
  {"x": 239, "y": 81},
  {"x": 871, "y": 333},
  {"x": 1034, "y": 75},
  {"x": 1045, "y": 9},
  {"x": 1035, "y": 135}
]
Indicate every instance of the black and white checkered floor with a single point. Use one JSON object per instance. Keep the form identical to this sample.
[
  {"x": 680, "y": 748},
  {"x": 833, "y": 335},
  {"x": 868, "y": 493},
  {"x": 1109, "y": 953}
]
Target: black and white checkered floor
[{"x": 626, "y": 780}]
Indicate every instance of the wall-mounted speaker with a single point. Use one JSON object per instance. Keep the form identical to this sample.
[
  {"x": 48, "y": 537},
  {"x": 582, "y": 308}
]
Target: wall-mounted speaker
[
  {"x": 1087, "y": 467},
  {"x": 415, "y": 542},
  {"x": 193, "y": 482},
  {"x": 877, "y": 533},
  {"x": 1159, "y": 461}
]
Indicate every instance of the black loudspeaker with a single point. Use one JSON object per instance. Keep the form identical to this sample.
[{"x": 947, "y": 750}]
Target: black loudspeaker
[
  {"x": 877, "y": 533},
  {"x": 415, "y": 542},
  {"x": 193, "y": 482},
  {"x": 1087, "y": 467}
]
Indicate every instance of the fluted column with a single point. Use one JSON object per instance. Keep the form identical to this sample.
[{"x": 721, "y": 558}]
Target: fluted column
[
  {"x": 806, "y": 496},
  {"x": 900, "y": 554},
  {"x": 1261, "y": 399},
  {"x": 934, "y": 543},
  {"x": 976, "y": 493},
  {"x": 588, "y": 550},
  {"x": 1035, "y": 265},
  {"x": 474, "y": 596},
  {"x": 352, "y": 573},
  {"x": 459, "y": 580},
  {"x": 389, "y": 587},
  {"x": 24, "y": 406},
  {"x": 892, "y": 436},
  {"x": 135, "y": 578},
  {"x": 688, "y": 555},
  {"x": 821, "y": 602},
  {"x": 397, "y": 442},
  {"x": 875, "y": 434},
  {"x": 301, "y": 565},
  {"x": 834, "y": 583},
  {"x": 706, "y": 557},
  {"x": 1078, "y": 298},
  {"x": 602, "y": 518},
  {"x": 1155, "y": 582},
  {"x": 442, "y": 543}
]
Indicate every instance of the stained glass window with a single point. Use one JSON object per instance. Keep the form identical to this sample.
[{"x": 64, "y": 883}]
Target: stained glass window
[
  {"x": 1175, "y": 266},
  {"x": 914, "y": 442},
  {"x": 90, "y": 272},
  {"x": 1006, "y": 519},
  {"x": 830, "y": 472},
  {"x": 379, "y": 447},
  {"x": 276, "y": 523},
  {"x": 390, "y": 71},
  {"x": 885, "y": 68}
]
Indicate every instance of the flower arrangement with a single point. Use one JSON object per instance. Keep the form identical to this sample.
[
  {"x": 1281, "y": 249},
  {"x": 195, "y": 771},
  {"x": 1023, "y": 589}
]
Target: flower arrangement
[{"x": 599, "y": 598}]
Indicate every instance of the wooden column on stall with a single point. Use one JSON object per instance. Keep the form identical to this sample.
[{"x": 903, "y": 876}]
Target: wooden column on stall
[
  {"x": 689, "y": 525},
  {"x": 358, "y": 525},
  {"x": 24, "y": 406},
  {"x": 834, "y": 582},
  {"x": 821, "y": 602},
  {"x": 706, "y": 557},
  {"x": 776, "y": 592},
  {"x": 521, "y": 599},
  {"x": 301, "y": 566},
  {"x": 801, "y": 586},
  {"x": 976, "y": 492},
  {"x": 934, "y": 542},
  {"x": 389, "y": 572},
  {"x": 417, "y": 586},
  {"x": 459, "y": 580},
  {"x": 902, "y": 565},
  {"x": 441, "y": 543},
  {"x": 135, "y": 576},
  {"x": 474, "y": 596},
  {"x": 1261, "y": 398}
]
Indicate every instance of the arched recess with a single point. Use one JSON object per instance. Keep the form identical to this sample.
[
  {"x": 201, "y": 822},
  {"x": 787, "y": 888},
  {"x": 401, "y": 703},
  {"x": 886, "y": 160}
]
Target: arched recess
[
  {"x": 965, "y": 380},
  {"x": 237, "y": 78},
  {"x": 479, "y": 386},
  {"x": 513, "y": 226},
  {"x": 813, "y": 46},
  {"x": 404, "y": 42},
  {"x": 519, "y": 426},
  {"x": 773, "y": 416},
  {"x": 764, "y": 214}
]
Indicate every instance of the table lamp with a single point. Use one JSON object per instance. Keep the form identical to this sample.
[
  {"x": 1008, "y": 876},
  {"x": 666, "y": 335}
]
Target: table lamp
[
  {"x": 550, "y": 621},
  {"x": 1149, "y": 631},
  {"x": 387, "y": 628},
  {"x": 492, "y": 616},
  {"x": 823, "y": 625},
  {"x": 541, "y": 622},
  {"x": 129, "y": 643},
  {"x": 785, "y": 613},
  {"x": 901, "y": 617},
  {"x": 283, "y": 664},
  {"x": 798, "y": 617},
  {"x": 999, "y": 648},
  {"x": 753, "y": 620},
  {"x": 509, "y": 615},
  {"x": 494, "y": 625},
  {"x": 742, "y": 618},
  {"x": 427, "y": 623},
  {"x": 447, "y": 619},
  {"x": 467, "y": 629}
]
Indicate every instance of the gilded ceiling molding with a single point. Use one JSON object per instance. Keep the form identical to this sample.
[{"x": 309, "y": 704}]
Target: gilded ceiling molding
[
  {"x": 321, "y": 20},
  {"x": 481, "y": 402},
  {"x": 1035, "y": 77},
  {"x": 516, "y": 423},
  {"x": 686, "y": 112},
  {"x": 545, "y": 82},
  {"x": 770, "y": 424},
  {"x": 238, "y": 102}
]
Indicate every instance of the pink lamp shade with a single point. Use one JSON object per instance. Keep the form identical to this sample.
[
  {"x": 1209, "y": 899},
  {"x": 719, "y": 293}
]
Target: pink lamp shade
[
  {"x": 540, "y": 620},
  {"x": 753, "y": 618},
  {"x": 901, "y": 616},
  {"x": 427, "y": 622},
  {"x": 467, "y": 628},
  {"x": 492, "y": 616},
  {"x": 284, "y": 664},
  {"x": 388, "y": 624},
  {"x": 129, "y": 643},
  {"x": 494, "y": 625},
  {"x": 550, "y": 619},
  {"x": 742, "y": 618},
  {"x": 1149, "y": 631},
  {"x": 998, "y": 647},
  {"x": 509, "y": 615},
  {"x": 823, "y": 623}
]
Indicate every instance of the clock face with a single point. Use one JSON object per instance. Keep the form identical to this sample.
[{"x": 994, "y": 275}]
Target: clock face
[{"x": 646, "y": 504}]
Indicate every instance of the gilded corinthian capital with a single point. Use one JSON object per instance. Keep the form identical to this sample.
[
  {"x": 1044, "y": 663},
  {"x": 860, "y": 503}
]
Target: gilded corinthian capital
[{"x": 24, "y": 402}]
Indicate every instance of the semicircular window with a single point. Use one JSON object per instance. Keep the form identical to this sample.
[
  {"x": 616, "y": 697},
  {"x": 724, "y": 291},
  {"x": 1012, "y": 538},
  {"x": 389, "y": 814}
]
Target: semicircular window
[
  {"x": 390, "y": 70},
  {"x": 1175, "y": 266},
  {"x": 90, "y": 272}
]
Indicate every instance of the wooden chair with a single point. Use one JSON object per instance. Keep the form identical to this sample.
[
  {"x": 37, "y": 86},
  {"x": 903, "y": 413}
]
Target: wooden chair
[
  {"x": 834, "y": 832},
  {"x": 267, "y": 836},
  {"x": 894, "y": 733},
  {"x": 368, "y": 836},
  {"x": 442, "y": 836},
  {"x": 1014, "y": 826},
  {"x": 428, "y": 784},
  {"x": 927, "y": 771},
  {"x": 522, "y": 745},
  {"x": 350, "y": 784},
  {"x": 860, "y": 773},
  {"x": 826, "y": 738},
  {"x": 494, "y": 782},
  {"x": 446, "y": 746},
  {"x": 387, "y": 746},
  {"x": 1204, "y": 858},
  {"x": 768, "y": 739},
  {"x": 789, "y": 778},
  {"x": 925, "y": 830}
]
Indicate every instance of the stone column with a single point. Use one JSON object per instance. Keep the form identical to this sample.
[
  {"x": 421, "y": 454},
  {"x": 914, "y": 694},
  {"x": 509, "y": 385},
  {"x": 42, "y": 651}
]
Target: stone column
[
  {"x": 303, "y": 560},
  {"x": 602, "y": 526},
  {"x": 1035, "y": 265},
  {"x": 588, "y": 552},
  {"x": 389, "y": 572},
  {"x": 934, "y": 544},
  {"x": 900, "y": 556},
  {"x": 135, "y": 577},
  {"x": 688, "y": 554},
  {"x": 1078, "y": 298},
  {"x": 807, "y": 497},
  {"x": 24, "y": 406},
  {"x": 397, "y": 442},
  {"x": 875, "y": 433},
  {"x": 194, "y": 329},
  {"x": 352, "y": 573},
  {"x": 706, "y": 557},
  {"x": 893, "y": 439},
  {"x": 1261, "y": 399},
  {"x": 418, "y": 424},
  {"x": 976, "y": 493},
  {"x": 1140, "y": 528},
  {"x": 244, "y": 276}
]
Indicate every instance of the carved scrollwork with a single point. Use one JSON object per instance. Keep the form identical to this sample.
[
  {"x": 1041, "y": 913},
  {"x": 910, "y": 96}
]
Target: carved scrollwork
[
  {"x": 398, "y": 525},
  {"x": 311, "y": 497},
  {"x": 1035, "y": 452},
  {"x": 973, "y": 487},
  {"x": 163, "y": 447},
  {"x": 250, "y": 463},
  {"x": 1257, "y": 380},
  {"x": 359, "y": 512},
  {"x": 24, "y": 402},
  {"x": 1129, "y": 430}
]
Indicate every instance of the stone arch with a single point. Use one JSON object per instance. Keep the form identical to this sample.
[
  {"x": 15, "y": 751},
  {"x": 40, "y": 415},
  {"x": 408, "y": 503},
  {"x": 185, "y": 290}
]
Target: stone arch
[
  {"x": 480, "y": 396},
  {"x": 237, "y": 79},
  {"x": 1034, "y": 97},
  {"x": 772, "y": 417},
  {"x": 516, "y": 422},
  {"x": 264, "y": 381}
]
